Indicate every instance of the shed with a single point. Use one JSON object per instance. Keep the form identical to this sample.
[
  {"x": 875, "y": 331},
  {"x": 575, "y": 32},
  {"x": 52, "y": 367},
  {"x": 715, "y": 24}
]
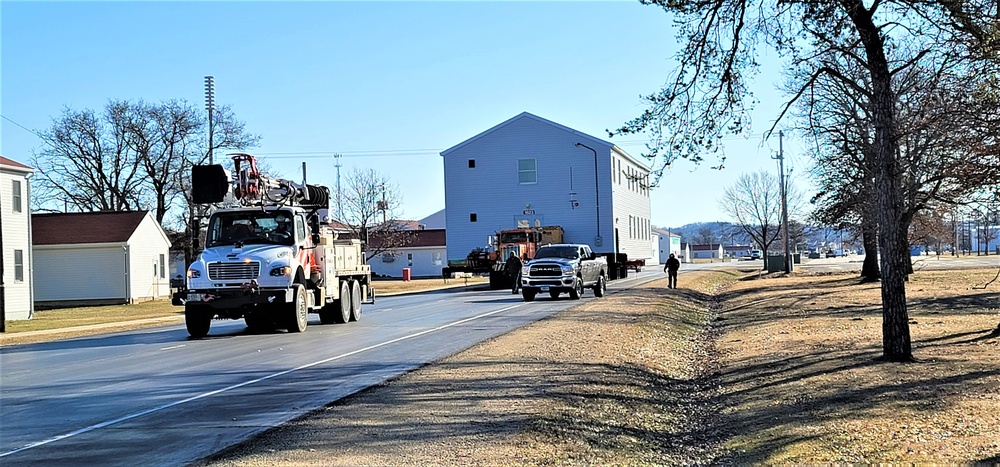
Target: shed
[
  {"x": 94, "y": 258},
  {"x": 531, "y": 172},
  {"x": 424, "y": 255},
  {"x": 15, "y": 241}
]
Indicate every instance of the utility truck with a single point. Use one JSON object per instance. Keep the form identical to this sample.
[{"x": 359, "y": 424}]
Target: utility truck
[{"x": 270, "y": 258}]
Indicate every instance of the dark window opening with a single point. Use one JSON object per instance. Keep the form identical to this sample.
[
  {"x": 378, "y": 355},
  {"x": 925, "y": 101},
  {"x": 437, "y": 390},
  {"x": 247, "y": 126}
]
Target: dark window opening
[
  {"x": 472, "y": 217},
  {"x": 472, "y": 163}
]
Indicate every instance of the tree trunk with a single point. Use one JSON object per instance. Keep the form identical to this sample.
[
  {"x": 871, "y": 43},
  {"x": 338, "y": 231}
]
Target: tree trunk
[
  {"x": 896, "y": 346},
  {"x": 869, "y": 237}
]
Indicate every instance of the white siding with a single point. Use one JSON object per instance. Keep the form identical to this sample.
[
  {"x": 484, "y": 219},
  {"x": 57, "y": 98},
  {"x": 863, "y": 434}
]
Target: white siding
[
  {"x": 146, "y": 245},
  {"x": 492, "y": 192},
  {"x": 16, "y": 236},
  {"x": 80, "y": 272},
  {"x": 631, "y": 206},
  {"x": 426, "y": 262}
]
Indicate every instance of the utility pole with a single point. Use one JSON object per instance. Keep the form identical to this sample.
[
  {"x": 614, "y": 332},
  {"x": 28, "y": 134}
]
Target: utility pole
[
  {"x": 340, "y": 205},
  {"x": 784, "y": 202},
  {"x": 210, "y": 106}
]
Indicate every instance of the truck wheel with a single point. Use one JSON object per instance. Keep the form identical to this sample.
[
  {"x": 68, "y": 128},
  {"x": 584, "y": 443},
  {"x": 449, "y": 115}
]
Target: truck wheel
[
  {"x": 198, "y": 320},
  {"x": 600, "y": 286},
  {"x": 296, "y": 313},
  {"x": 554, "y": 293},
  {"x": 577, "y": 291},
  {"x": 327, "y": 314},
  {"x": 355, "y": 301},
  {"x": 529, "y": 295},
  {"x": 343, "y": 305}
]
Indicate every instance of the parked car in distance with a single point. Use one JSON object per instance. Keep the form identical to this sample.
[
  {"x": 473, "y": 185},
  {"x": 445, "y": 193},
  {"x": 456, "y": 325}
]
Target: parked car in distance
[{"x": 755, "y": 254}]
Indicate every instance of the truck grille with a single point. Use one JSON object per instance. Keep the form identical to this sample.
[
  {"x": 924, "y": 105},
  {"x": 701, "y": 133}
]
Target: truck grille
[
  {"x": 233, "y": 271},
  {"x": 545, "y": 270}
]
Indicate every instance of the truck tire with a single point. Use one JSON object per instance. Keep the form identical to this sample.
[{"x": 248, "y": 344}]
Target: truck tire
[
  {"x": 342, "y": 312},
  {"x": 355, "y": 301},
  {"x": 296, "y": 313},
  {"x": 529, "y": 295},
  {"x": 577, "y": 291},
  {"x": 198, "y": 320},
  {"x": 601, "y": 286}
]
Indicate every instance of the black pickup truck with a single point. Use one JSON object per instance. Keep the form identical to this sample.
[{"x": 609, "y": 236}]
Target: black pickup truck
[{"x": 564, "y": 268}]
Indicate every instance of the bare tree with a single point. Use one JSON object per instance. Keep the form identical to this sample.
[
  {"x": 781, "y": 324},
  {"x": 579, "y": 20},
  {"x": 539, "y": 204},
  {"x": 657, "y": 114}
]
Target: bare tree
[
  {"x": 371, "y": 206},
  {"x": 708, "y": 95},
  {"x": 754, "y": 202},
  {"x": 87, "y": 162}
]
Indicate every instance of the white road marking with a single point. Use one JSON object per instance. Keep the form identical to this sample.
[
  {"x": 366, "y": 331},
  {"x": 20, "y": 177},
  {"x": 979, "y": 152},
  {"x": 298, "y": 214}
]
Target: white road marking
[
  {"x": 174, "y": 347},
  {"x": 247, "y": 383}
]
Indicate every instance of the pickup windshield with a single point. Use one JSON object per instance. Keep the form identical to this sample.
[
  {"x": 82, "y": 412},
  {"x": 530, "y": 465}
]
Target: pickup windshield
[
  {"x": 568, "y": 252},
  {"x": 249, "y": 228}
]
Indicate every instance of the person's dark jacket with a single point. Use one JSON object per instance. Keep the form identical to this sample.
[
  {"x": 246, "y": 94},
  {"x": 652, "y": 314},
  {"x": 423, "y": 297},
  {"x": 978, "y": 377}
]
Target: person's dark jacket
[
  {"x": 513, "y": 266},
  {"x": 673, "y": 264}
]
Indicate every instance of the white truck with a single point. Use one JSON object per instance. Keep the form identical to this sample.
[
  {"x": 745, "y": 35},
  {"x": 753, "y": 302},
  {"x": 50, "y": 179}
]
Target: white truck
[
  {"x": 562, "y": 268},
  {"x": 269, "y": 260}
]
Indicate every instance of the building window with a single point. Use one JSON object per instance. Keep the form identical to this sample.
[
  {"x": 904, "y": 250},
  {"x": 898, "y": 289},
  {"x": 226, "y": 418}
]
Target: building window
[
  {"x": 19, "y": 265},
  {"x": 472, "y": 163},
  {"x": 472, "y": 217},
  {"x": 15, "y": 189},
  {"x": 526, "y": 173},
  {"x": 163, "y": 267}
]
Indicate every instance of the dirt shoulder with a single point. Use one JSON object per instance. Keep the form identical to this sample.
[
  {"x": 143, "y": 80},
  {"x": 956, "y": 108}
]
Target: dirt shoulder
[{"x": 730, "y": 368}]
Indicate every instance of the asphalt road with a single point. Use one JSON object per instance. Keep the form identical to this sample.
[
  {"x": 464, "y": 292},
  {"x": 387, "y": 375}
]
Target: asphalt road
[{"x": 156, "y": 397}]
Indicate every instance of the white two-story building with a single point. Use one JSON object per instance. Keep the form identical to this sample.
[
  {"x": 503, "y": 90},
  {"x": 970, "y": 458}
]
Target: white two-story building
[
  {"x": 15, "y": 240},
  {"x": 531, "y": 172}
]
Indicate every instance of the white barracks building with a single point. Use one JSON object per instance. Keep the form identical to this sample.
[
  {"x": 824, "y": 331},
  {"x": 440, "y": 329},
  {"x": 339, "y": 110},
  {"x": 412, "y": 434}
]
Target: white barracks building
[{"x": 529, "y": 171}]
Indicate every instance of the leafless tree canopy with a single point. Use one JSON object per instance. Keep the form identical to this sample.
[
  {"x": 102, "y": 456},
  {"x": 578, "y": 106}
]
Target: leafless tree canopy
[{"x": 371, "y": 208}]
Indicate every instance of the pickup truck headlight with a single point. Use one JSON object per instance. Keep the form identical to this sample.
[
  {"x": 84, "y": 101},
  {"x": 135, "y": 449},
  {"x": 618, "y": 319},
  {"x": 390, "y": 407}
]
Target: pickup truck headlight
[
  {"x": 567, "y": 269},
  {"x": 525, "y": 270}
]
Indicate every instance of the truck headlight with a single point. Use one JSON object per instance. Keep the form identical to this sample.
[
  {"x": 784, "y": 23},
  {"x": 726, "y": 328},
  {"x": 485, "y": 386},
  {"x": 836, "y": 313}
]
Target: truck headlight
[
  {"x": 281, "y": 271},
  {"x": 525, "y": 270},
  {"x": 194, "y": 273},
  {"x": 567, "y": 270}
]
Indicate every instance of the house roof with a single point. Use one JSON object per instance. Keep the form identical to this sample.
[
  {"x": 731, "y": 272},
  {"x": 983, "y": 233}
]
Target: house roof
[
  {"x": 418, "y": 239},
  {"x": 520, "y": 116},
  {"x": 84, "y": 227},
  {"x": 705, "y": 247},
  {"x": 14, "y": 165}
]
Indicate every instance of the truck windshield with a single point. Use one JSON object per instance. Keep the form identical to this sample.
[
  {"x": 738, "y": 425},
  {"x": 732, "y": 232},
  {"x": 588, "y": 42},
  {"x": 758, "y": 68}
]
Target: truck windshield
[
  {"x": 250, "y": 227},
  {"x": 568, "y": 252}
]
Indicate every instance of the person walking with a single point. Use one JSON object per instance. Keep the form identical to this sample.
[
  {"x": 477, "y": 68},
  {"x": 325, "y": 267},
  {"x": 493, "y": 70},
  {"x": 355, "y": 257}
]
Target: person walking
[
  {"x": 513, "y": 267},
  {"x": 673, "y": 264}
]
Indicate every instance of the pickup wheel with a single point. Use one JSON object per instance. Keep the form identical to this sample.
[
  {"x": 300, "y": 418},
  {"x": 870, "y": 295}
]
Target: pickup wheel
[
  {"x": 198, "y": 320},
  {"x": 577, "y": 290},
  {"x": 529, "y": 295},
  {"x": 296, "y": 313},
  {"x": 355, "y": 301},
  {"x": 600, "y": 286}
]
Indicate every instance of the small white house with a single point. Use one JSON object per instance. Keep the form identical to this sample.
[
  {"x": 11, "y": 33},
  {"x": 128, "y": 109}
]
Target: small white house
[
  {"x": 532, "y": 172},
  {"x": 15, "y": 240},
  {"x": 91, "y": 258},
  {"x": 668, "y": 243},
  {"x": 424, "y": 256},
  {"x": 707, "y": 251}
]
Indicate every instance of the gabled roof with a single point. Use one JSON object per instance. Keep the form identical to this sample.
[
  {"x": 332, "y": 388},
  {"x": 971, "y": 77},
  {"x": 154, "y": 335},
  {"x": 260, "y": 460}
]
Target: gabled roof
[
  {"x": 84, "y": 227},
  {"x": 14, "y": 165},
  {"x": 520, "y": 116},
  {"x": 664, "y": 232},
  {"x": 418, "y": 238}
]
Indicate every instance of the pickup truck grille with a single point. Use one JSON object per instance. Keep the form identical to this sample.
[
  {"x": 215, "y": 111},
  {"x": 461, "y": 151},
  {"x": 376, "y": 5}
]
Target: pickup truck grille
[
  {"x": 233, "y": 271},
  {"x": 545, "y": 270}
]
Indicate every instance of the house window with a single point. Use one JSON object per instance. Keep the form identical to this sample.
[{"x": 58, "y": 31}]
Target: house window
[
  {"x": 163, "y": 267},
  {"x": 472, "y": 163},
  {"x": 15, "y": 189},
  {"x": 472, "y": 217},
  {"x": 19, "y": 265},
  {"x": 526, "y": 173}
]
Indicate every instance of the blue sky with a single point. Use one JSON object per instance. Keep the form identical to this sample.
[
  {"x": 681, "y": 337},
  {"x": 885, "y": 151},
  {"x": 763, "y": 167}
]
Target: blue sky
[{"x": 387, "y": 84}]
